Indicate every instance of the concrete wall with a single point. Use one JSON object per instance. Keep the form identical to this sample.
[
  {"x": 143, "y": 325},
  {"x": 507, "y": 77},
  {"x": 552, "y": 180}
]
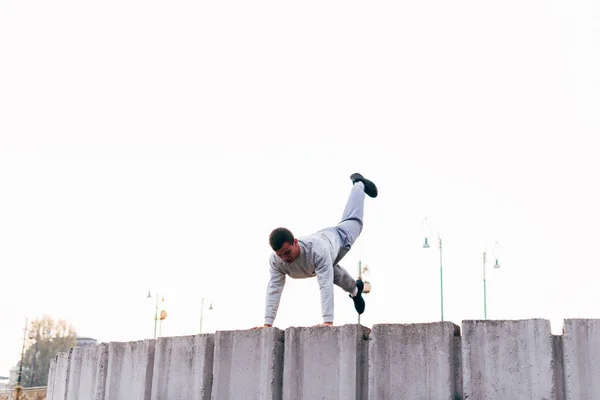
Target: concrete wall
[
  {"x": 418, "y": 361},
  {"x": 183, "y": 368},
  {"x": 129, "y": 371},
  {"x": 87, "y": 372},
  {"x": 490, "y": 360},
  {"x": 248, "y": 364},
  {"x": 509, "y": 360},
  {"x": 581, "y": 341},
  {"x": 59, "y": 367},
  {"x": 325, "y": 363}
]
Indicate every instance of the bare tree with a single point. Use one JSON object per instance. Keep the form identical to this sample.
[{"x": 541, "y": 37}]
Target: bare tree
[{"x": 47, "y": 338}]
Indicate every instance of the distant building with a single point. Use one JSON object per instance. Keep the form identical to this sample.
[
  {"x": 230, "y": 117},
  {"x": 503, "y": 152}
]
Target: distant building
[{"x": 85, "y": 341}]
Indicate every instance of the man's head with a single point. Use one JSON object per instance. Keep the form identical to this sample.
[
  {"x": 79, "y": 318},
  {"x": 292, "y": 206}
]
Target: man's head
[{"x": 284, "y": 244}]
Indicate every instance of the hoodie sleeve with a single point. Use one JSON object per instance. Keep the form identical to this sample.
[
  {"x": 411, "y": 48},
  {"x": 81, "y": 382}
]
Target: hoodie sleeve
[
  {"x": 274, "y": 289},
  {"x": 324, "y": 271}
]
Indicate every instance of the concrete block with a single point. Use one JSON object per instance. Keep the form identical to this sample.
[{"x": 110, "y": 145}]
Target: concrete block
[
  {"x": 61, "y": 376},
  {"x": 248, "y": 364},
  {"x": 416, "y": 361},
  {"x": 51, "y": 379},
  {"x": 581, "y": 345},
  {"x": 326, "y": 363},
  {"x": 508, "y": 360},
  {"x": 183, "y": 368},
  {"x": 129, "y": 371},
  {"x": 87, "y": 372}
]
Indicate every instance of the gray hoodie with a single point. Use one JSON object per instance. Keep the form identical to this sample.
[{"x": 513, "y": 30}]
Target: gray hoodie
[{"x": 318, "y": 254}]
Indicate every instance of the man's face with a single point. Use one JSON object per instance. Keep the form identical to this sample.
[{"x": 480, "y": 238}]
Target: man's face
[{"x": 289, "y": 252}]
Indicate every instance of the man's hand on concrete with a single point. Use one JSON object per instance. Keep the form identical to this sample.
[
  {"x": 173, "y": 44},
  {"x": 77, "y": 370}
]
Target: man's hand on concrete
[
  {"x": 326, "y": 324},
  {"x": 261, "y": 327}
]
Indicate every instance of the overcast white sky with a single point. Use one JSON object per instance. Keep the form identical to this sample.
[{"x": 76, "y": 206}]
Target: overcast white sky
[{"x": 154, "y": 146}]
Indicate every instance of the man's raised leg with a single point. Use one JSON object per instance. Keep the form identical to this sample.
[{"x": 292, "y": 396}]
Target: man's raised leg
[{"x": 351, "y": 224}]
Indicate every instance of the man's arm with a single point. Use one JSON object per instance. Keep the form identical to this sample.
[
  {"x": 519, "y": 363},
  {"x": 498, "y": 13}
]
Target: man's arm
[
  {"x": 324, "y": 270},
  {"x": 274, "y": 289}
]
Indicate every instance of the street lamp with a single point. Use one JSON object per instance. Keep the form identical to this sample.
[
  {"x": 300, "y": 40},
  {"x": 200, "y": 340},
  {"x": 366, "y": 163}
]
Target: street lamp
[
  {"x": 363, "y": 275},
  {"x": 210, "y": 308},
  {"x": 18, "y": 388},
  {"x": 496, "y": 265},
  {"x": 163, "y": 313},
  {"x": 427, "y": 232}
]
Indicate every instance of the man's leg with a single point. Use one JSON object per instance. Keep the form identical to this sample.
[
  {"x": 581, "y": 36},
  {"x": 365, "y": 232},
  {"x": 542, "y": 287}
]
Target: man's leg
[
  {"x": 342, "y": 278},
  {"x": 349, "y": 229},
  {"x": 352, "y": 219},
  {"x": 351, "y": 224}
]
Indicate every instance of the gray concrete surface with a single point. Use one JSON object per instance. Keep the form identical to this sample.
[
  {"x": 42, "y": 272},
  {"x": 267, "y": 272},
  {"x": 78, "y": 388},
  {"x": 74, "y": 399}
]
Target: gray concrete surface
[
  {"x": 183, "y": 368},
  {"x": 416, "y": 361},
  {"x": 325, "y": 363},
  {"x": 248, "y": 364},
  {"x": 581, "y": 346},
  {"x": 52, "y": 382},
  {"x": 129, "y": 371},
  {"x": 61, "y": 376},
  {"x": 508, "y": 360},
  {"x": 87, "y": 372}
]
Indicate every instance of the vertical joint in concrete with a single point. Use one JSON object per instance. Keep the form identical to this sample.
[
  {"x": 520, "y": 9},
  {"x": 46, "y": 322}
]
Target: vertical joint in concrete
[{"x": 558, "y": 367}]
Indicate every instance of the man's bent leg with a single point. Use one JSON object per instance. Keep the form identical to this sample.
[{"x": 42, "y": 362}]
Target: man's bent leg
[{"x": 342, "y": 278}]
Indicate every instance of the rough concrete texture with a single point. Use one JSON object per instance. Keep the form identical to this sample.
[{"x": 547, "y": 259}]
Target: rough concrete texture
[
  {"x": 51, "y": 379},
  {"x": 87, "y": 372},
  {"x": 129, "y": 371},
  {"x": 508, "y": 360},
  {"x": 581, "y": 346},
  {"x": 417, "y": 361},
  {"x": 248, "y": 364},
  {"x": 325, "y": 363},
  {"x": 183, "y": 368},
  {"x": 61, "y": 376}
]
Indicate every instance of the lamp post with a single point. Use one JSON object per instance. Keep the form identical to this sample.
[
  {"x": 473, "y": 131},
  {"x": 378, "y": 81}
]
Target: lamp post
[
  {"x": 427, "y": 231},
  {"x": 210, "y": 308},
  {"x": 18, "y": 388},
  {"x": 363, "y": 275},
  {"x": 496, "y": 265},
  {"x": 163, "y": 313}
]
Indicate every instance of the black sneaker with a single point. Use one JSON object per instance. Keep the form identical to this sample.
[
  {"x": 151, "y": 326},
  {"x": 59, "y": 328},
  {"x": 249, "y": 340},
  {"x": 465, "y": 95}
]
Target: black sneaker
[
  {"x": 370, "y": 188},
  {"x": 359, "y": 302}
]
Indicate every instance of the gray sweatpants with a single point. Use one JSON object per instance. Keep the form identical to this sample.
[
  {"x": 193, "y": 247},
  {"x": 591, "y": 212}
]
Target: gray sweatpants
[{"x": 349, "y": 229}]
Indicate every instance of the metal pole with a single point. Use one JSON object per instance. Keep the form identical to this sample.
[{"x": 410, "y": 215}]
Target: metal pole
[
  {"x": 359, "y": 277},
  {"x": 201, "y": 313},
  {"x": 441, "y": 280},
  {"x": 484, "y": 289},
  {"x": 18, "y": 387},
  {"x": 156, "y": 316}
]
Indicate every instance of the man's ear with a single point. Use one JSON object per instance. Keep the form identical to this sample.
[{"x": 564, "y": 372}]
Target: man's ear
[{"x": 295, "y": 242}]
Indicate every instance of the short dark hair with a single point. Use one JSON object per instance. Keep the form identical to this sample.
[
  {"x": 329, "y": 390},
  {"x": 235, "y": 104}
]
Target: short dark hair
[{"x": 279, "y": 236}]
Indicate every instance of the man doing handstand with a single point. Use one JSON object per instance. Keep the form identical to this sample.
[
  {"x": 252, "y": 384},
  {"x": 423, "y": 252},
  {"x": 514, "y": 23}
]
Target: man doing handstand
[{"x": 318, "y": 255}]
